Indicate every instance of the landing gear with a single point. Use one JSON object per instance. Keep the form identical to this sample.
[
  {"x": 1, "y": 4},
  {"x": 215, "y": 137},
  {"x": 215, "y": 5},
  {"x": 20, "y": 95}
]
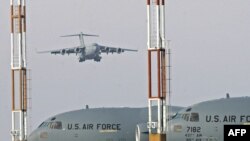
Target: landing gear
[
  {"x": 97, "y": 58},
  {"x": 81, "y": 59}
]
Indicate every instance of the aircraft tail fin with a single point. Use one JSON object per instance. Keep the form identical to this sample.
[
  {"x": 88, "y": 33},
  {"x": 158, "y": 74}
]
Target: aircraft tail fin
[{"x": 80, "y": 35}]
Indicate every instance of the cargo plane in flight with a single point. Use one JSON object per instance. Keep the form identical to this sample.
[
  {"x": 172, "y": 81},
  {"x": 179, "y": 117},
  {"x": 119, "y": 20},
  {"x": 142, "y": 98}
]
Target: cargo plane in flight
[
  {"x": 200, "y": 122},
  {"x": 87, "y": 52}
]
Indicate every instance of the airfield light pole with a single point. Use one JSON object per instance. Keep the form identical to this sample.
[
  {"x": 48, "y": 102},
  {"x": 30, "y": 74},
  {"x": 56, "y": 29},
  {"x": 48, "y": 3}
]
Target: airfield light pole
[
  {"x": 156, "y": 69},
  {"x": 18, "y": 70}
]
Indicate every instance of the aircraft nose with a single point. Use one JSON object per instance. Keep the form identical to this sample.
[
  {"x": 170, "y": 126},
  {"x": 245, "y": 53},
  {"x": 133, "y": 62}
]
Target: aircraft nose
[{"x": 34, "y": 136}]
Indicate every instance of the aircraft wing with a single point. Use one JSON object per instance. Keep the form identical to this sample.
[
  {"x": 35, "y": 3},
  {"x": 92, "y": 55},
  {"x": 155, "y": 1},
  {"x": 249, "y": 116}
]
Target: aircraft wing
[
  {"x": 63, "y": 51},
  {"x": 107, "y": 49}
]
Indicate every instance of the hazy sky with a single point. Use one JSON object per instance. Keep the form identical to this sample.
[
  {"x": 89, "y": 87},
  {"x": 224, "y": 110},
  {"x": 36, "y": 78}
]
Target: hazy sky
[{"x": 210, "y": 54}]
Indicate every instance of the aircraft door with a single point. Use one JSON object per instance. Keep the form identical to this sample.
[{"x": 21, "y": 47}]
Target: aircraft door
[
  {"x": 212, "y": 133},
  {"x": 215, "y": 133}
]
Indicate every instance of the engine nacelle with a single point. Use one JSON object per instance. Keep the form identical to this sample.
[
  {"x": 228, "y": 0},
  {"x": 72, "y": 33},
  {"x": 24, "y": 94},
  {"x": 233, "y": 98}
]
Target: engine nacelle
[
  {"x": 62, "y": 51},
  {"x": 77, "y": 50},
  {"x": 107, "y": 50},
  {"x": 119, "y": 50},
  {"x": 141, "y": 132}
]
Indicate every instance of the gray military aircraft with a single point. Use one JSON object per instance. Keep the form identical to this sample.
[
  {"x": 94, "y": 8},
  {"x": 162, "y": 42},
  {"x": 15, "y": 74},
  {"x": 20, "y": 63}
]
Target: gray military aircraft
[
  {"x": 87, "y": 52},
  {"x": 200, "y": 122},
  {"x": 94, "y": 124},
  {"x": 205, "y": 121}
]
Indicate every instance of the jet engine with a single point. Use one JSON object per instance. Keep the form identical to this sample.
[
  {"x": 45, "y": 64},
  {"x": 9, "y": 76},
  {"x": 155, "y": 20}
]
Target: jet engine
[
  {"x": 62, "y": 51},
  {"x": 77, "y": 50},
  {"x": 119, "y": 50},
  {"x": 141, "y": 132},
  {"x": 107, "y": 50}
]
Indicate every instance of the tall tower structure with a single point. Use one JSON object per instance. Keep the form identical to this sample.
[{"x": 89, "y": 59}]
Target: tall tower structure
[
  {"x": 18, "y": 70},
  {"x": 157, "y": 87}
]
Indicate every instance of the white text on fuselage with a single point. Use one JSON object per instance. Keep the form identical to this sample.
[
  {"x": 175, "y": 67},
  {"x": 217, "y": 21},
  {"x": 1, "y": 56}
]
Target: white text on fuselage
[{"x": 97, "y": 126}]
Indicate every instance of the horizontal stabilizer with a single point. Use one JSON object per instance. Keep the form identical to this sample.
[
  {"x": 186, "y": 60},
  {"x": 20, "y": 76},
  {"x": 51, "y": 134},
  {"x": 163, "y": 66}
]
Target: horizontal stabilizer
[{"x": 81, "y": 34}]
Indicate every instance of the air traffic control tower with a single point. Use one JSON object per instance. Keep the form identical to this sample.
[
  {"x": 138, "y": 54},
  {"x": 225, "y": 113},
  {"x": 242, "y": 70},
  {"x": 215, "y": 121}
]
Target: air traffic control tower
[{"x": 157, "y": 87}]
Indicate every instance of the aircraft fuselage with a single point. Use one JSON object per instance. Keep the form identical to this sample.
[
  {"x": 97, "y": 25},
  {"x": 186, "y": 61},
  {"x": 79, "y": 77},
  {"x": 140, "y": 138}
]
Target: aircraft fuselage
[
  {"x": 91, "y": 52},
  {"x": 204, "y": 121}
]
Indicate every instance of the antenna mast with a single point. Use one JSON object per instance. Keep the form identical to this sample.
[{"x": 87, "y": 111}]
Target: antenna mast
[
  {"x": 156, "y": 48},
  {"x": 18, "y": 70}
]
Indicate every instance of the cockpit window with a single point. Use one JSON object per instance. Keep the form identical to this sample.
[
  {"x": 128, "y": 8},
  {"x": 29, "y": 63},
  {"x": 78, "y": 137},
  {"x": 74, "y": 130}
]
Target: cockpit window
[
  {"x": 51, "y": 125},
  {"x": 194, "y": 117},
  {"x": 186, "y": 116},
  {"x": 177, "y": 115},
  {"x": 189, "y": 109}
]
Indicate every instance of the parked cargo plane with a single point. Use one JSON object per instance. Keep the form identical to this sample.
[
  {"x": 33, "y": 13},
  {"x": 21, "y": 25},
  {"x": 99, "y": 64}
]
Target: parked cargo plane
[
  {"x": 87, "y": 52},
  {"x": 205, "y": 121},
  {"x": 200, "y": 122},
  {"x": 93, "y": 124}
]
